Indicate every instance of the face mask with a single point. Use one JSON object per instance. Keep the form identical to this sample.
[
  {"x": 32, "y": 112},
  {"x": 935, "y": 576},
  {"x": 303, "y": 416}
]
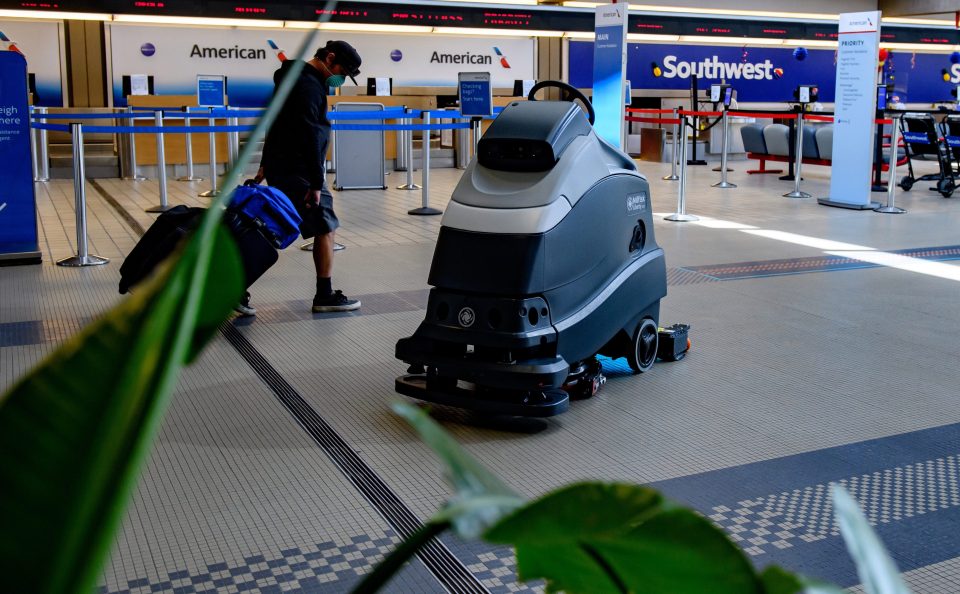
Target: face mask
[{"x": 336, "y": 80}]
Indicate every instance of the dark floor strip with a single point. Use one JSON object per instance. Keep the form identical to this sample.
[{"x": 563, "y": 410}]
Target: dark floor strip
[
  {"x": 126, "y": 216},
  {"x": 779, "y": 511},
  {"x": 449, "y": 570},
  {"x": 765, "y": 268}
]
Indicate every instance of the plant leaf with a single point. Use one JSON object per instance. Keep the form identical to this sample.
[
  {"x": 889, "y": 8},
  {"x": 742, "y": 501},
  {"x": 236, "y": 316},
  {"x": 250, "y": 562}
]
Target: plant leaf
[
  {"x": 613, "y": 537},
  {"x": 876, "y": 569},
  {"x": 480, "y": 498},
  {"x": 74, "y": 431}
]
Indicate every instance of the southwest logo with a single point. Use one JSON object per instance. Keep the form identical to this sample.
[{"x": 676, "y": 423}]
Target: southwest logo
[{"x": 503, "y": 60}]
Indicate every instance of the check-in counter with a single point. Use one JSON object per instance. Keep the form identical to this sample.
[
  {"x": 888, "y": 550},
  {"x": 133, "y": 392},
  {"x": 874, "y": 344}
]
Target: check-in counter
[{"x": 174, "y": 145}]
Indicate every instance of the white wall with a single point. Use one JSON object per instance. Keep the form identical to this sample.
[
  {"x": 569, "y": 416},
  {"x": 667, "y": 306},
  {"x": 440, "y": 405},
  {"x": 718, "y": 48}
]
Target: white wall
[
  {"x": 39, "y": 42},
  {"x": 405, "y": 58}
]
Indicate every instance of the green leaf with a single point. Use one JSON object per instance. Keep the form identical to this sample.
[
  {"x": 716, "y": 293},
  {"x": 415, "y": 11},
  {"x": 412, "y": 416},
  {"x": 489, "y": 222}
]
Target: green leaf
[
  {"x": 480, "y": 498},
  {"x": 612, "y": 537},
  {"x": 74, "y": 431},
  {"x": 878, "y": 573},
  {"x": 578, "y": 511}
]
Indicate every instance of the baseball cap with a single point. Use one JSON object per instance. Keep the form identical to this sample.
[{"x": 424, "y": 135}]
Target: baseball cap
[{"x": 346, "y": 56}]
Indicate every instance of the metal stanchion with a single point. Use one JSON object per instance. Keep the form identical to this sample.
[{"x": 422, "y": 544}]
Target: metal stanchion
[
  {"x": 673, "y": 153},
  {"x": 234, "y": 141},
  {"x": 401, "y": 163},
  {"x": 463, "y": 146},
  {"x": 890, "y": 208},
  {"x": 34, "y": 157},
  {"x": 408, "y": 149},
  {"x": 681, "y": 215},
  {"x": 477, "y": 133},
  {"x": 723, "y": 183},
  {"x": 80, "y": 198},
  {"x": 161, "y": 166},
  {"x": 796, "y": 193},
  {"x": 44, "y": 163},
  {"x": 188, "y": 148},
  {"x": 212, "y": 192},
  {"x": 132, "y": 174},
  {"x": 425, "y": 209}
]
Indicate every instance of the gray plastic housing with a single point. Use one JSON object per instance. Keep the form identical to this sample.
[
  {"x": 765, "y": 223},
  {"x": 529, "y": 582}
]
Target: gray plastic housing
[{"x": 531, "y": 135}]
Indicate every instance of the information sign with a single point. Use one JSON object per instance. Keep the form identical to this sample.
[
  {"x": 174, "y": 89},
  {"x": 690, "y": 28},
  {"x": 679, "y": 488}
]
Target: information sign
[
  {"x": 854, "y": 111},
  {"x": 476, "y": 94},
  {"x": 609, "y": 72},
  {"x": 211, "y": 90},
  {"x": 18, "y": 210}
]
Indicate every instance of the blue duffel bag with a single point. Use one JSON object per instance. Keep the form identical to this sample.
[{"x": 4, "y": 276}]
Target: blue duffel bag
[{"x": 270, "y": 210}]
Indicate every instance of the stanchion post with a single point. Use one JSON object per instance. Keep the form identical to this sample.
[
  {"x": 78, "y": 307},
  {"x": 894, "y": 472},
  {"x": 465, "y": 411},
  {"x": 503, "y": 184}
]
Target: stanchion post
[
  {"x": 425, "y": 209},
  {"x": 83, "y": 258},
  {"x": 477, "y": 133},
  {"x": 132, "y": 174},
  {"x": 408, "y": 149},
  {"x": 44, "y": 163},
  {"x": 798, "y": 156},
  {"x": 681, "y": 215},
  {"x": 891, "y": 208},
  {"x": 161, "y": 165},
  {"x": 34, "y": 143},
  {"x": 188, "y": 148},
  {"x": 463, "y": 145},
  {"x": 723, "y": 183},
  {"x": 212, "y": 192},
  {"x": 234, "y": 141},
  {"x": 674, "y": 157}
]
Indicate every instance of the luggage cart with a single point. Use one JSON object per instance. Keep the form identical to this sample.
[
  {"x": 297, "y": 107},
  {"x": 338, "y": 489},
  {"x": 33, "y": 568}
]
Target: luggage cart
[
  {"x": 950, "y": 127},
  {"x": 921, "y": 137}
]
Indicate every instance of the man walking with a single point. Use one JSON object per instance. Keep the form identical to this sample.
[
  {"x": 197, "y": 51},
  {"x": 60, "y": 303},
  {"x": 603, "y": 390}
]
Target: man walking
[{"x": 294, "y": 156}]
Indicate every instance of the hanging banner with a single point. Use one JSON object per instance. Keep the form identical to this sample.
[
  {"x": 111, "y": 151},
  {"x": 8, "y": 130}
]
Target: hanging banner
[
  {"x": 855, "y": 108},
  {"x": 609, "y": 72},
  {"x": 18, "y": 210}
]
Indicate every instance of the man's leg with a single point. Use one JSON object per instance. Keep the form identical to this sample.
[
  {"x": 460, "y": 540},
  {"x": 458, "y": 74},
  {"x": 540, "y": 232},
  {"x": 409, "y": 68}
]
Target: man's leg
[{"x": 326, "y": 299}]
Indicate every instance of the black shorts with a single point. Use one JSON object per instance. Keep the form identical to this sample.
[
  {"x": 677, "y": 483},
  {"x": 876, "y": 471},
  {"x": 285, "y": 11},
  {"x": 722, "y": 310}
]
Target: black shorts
[{"x": 317, "y": 220}]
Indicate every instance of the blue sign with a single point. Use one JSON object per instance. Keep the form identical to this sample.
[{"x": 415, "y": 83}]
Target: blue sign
[
  {"x": 608, "y": 72},
  {"x": 916, "y": 137},
  {"x": 766, "y": 74},
  {"x": 211, "y": 90},
  {"x": 476, "y": 94},
  {"x": 953, "y": 141},
  {"x": 18, "y": 209}
]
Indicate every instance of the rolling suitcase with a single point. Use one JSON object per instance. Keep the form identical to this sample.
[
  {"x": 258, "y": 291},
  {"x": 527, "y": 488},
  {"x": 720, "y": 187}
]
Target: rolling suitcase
[{"x": 257, "y": 252}]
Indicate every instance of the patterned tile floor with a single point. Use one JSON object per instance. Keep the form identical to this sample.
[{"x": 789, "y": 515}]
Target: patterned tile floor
[{"x": 845, "y": 373}]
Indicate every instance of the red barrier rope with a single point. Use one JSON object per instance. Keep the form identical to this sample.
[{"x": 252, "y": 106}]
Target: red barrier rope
[
  {"x": 645, "y": 110},
  {"x": 775, "y": 116},
  {"x": 709, "y": 114},
  {"x": 818, "y": 118},
  {"x": 883, "y": 121},
  {"x": 653, "y": 120}
]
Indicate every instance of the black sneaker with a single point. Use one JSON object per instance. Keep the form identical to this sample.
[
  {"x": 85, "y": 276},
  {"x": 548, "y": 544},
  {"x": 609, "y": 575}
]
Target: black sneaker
[
  {"x": 244, "y": 308},
  {"x": 336, "y": 301}
]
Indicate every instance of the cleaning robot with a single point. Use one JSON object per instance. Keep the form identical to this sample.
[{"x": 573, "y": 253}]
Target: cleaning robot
[{"x": 546, "y": 258}]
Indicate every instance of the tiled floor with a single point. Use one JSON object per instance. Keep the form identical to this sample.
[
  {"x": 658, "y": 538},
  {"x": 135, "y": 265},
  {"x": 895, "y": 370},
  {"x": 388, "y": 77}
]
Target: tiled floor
[{"x": 805, "y": 370}]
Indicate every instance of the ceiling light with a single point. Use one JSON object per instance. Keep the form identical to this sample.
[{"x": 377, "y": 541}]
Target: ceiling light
[
  {"x": 514, "y": 2},
  {"x": 580, "y": 35},
  {"x": 55, "y": 15},
  {"x": 919, "y": 47},
  {"x": 915, "y": 21},
  {"x": 810, "y": 42},
  {"x": 358, "y": 27},
  {"x": 651, "y": 37},
  {"x": 730, "y": 40},
  {"x": 200, "y": 21},
  {"x": 496, "y": 32}
]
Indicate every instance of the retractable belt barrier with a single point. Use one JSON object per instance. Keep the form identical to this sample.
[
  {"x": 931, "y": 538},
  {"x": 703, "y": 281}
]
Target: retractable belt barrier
[{"x": 41, "y": 121}]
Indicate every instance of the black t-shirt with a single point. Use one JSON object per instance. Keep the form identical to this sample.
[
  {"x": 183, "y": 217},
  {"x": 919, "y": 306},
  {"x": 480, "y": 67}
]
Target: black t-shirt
[{"x": 297, "y": 141}]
